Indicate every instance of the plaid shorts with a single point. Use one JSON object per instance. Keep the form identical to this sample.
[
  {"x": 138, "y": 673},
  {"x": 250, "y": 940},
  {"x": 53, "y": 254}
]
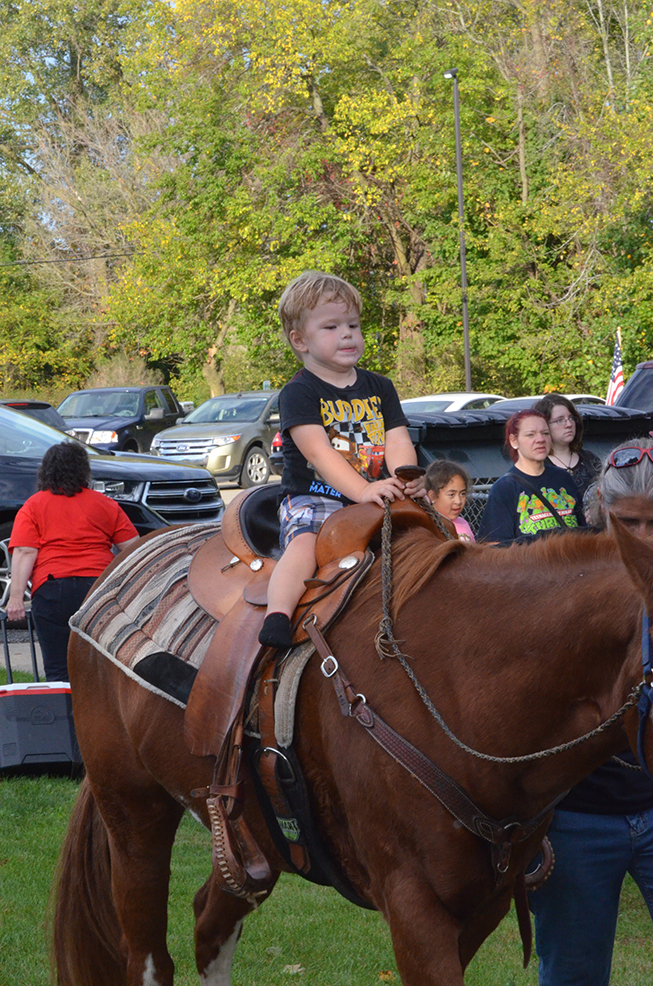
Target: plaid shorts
[{"x": 304, "y": 515}]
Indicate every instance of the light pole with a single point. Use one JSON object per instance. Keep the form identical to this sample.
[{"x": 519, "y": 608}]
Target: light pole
[{"x": 453, "y": 74}]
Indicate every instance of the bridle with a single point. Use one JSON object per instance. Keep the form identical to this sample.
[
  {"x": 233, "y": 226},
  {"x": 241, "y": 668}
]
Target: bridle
[
  {"x": 387, "y": 645},
  {"x": 502, "y": 835}
]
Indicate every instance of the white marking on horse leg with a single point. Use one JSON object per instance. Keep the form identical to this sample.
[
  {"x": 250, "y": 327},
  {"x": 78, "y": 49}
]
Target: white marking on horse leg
[
  {"x": 218, "y": 972},
  {"x": 196, "y": 816},
  {"x": 149, "y": 974}
]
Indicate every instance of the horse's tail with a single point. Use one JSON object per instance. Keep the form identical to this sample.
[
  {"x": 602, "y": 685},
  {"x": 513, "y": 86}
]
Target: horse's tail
[{"x": 86, "y": 934}]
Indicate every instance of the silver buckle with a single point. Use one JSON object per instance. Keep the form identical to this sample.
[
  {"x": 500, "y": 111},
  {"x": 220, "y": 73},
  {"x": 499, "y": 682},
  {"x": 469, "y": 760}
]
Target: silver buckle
[{"x": 329, "y": 674}]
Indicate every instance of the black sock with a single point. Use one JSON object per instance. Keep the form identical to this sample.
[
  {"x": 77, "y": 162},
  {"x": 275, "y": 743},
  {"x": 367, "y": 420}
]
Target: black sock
[{"x": 276, "y": 631}]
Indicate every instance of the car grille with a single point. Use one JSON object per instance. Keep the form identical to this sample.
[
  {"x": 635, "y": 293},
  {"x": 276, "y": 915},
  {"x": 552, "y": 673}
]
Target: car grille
[
  {"x": 81, "y": 434},
  {"x": 183, "y": 503},
  {"x": 185, "y": 451}
]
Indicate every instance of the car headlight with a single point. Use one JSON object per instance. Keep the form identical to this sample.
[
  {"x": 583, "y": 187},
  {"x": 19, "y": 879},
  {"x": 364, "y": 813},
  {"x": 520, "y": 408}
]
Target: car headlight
[
  {"x": 118, "y": 489},
  {"x": 224, "y": 440},
  {"x": 102, "y": 437}
]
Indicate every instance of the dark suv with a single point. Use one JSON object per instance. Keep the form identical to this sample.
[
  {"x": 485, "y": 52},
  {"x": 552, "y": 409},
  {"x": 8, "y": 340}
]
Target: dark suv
[
  {"x": 638, "y": 392},
  {"x": 152, "y": 492},
  {"x": 124, "y": 419}
]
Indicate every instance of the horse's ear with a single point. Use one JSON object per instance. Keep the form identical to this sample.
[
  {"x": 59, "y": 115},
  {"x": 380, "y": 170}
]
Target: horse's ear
[{"x": 637, "y": 556}]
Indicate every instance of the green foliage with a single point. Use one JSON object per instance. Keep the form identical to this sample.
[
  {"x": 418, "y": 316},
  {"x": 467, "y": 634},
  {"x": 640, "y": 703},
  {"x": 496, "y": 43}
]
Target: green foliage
[
  {"x": 234, "y": 146},
  {"x": 32, "y": 352}
]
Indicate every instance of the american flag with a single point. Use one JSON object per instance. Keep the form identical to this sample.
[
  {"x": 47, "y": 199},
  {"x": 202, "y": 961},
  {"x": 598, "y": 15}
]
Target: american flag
[{"x": 616, "y": 384}]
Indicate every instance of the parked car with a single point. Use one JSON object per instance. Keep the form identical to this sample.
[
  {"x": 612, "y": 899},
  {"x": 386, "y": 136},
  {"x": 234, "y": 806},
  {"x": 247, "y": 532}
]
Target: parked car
[
  {"x": 153, "y": 493},
  {"x": 437, "y": 403},
  {"x": 230, "y": 435},
  {"x": 276, "y": 455},
  {"x": 585, "y": 399},
  {"x": 124, "y": 419},
  {"x": 638, "y": 391},
  {"x": 40, "y": 410},
  {"x": 513, "y": 404}
]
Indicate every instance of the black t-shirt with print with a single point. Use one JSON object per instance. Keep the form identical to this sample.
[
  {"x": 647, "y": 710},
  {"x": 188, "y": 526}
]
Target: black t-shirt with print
[
  {"x": 355, "y": 419},
  {"x": 514, "y": 511}
]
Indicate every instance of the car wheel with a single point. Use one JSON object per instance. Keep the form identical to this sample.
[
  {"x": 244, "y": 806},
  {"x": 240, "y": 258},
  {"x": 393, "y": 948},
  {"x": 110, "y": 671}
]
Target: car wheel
[
  {"x": 5, "y": 569},
  {"x": 130, "y": 447},
  {"x": 256, "y": 468}
]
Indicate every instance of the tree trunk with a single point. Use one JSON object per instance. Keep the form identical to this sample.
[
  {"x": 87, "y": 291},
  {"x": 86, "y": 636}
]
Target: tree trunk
[
  {"x": 522, "y": 145},
  {"x": 606, "y": 49},
  {"x": 213, "y": 371},
  {"x": 410, "y": 365}
]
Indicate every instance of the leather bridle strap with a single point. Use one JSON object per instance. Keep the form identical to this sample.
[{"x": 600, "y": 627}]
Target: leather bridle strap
[
  {"x": 501, "y": 835},
  {"x": 269, "y": 765}
]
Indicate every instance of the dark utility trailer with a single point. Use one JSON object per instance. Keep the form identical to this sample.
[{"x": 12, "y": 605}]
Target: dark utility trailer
[{"x": 475, "y": 439}]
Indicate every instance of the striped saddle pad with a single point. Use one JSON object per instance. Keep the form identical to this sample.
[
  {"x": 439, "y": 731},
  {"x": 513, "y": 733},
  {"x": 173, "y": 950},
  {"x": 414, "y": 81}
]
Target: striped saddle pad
[{"x": 143, "y": 617}]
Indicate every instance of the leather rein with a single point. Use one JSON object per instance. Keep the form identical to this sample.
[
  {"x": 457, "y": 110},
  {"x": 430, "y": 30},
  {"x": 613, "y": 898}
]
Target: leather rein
[{"x": 501, "y": 835}]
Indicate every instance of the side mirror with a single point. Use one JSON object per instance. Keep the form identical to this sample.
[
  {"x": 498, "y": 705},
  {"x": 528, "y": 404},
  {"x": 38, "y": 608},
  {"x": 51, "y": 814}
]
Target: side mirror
[{"x": 156, "y": 414}]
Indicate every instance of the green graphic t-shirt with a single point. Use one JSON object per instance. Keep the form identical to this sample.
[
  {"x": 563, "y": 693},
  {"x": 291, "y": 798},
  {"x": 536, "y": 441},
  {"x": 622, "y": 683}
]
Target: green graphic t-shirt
[{"x": 515, "y": 511}]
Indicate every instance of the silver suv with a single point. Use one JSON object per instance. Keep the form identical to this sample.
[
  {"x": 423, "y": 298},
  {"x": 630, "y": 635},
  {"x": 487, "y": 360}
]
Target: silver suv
[{"x": 230, "y": 435}]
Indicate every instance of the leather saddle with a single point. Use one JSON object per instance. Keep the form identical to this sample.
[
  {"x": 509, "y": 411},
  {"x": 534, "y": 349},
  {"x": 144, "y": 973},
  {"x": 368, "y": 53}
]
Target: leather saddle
[{"x": 229, "y": 576}]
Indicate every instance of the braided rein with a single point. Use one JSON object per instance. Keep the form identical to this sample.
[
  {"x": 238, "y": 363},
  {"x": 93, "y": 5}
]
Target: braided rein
[{"x": 387, "y": 646}]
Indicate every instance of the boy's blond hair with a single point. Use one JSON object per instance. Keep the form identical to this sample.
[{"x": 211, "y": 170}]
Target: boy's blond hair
[{"x": 307, "y": 291}]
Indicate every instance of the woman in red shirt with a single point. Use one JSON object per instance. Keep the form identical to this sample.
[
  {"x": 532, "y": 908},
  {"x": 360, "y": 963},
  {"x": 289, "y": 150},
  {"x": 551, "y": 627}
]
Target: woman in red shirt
[{"x": 62, "y": 539}]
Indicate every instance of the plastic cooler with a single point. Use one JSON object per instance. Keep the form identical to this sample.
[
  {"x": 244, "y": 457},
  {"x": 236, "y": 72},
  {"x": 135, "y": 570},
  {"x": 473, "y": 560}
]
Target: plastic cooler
[{"x": 36, "y": 721}]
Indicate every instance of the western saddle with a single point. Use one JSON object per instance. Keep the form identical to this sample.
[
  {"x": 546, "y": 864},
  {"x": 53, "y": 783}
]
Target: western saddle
[{"x": 228, "y": 578}]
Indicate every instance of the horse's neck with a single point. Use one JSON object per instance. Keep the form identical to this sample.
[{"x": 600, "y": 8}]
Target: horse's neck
[
  {"x": 536, "y": 669},
  {"x": 591, "y": 663}
]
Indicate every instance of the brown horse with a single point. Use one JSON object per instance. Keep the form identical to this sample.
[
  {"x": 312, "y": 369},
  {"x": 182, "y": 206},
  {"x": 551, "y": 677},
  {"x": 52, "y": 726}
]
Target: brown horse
[{"x": 520, "y": 649}]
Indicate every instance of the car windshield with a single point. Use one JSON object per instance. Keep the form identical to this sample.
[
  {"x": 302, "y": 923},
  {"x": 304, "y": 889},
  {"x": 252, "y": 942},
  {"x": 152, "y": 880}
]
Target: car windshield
[
  {"x": 227, "y": 409},
  {"x": 100, "y": 404},
  {"x": 30, "y": 439},
  {"x": 425, "y": 407}
]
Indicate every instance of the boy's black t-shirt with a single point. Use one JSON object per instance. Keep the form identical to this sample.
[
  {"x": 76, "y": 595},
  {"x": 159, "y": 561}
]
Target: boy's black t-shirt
[{"x": 355, "y": 419}]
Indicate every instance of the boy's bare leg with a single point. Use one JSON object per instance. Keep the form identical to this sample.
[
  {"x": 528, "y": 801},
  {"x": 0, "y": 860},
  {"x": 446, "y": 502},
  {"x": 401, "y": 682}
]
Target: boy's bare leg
[{"x": 286, "y": 588}]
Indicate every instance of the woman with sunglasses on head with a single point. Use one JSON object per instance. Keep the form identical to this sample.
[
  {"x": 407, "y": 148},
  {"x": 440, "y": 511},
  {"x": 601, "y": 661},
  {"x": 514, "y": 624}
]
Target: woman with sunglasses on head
[
  {"x": 534, "y": 496},
  {"x": 566, "y": 430},
  {"x": 603, "y": 829}
]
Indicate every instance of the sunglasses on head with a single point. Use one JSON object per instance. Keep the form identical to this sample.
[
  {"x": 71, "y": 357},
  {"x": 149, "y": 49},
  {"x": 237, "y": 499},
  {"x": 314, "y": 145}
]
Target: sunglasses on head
[{"x": 630, "y": 456}]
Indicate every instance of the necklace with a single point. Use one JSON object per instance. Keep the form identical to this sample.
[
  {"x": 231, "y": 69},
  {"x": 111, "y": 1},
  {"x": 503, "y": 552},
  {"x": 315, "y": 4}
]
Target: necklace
[{"x": 565, "y": 465}]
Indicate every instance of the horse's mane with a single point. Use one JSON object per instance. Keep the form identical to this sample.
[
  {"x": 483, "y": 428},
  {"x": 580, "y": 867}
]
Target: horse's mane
[{"x": 417, "y": 555}]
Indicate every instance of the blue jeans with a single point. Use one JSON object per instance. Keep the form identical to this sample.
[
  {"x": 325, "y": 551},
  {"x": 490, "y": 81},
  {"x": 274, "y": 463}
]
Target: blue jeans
[
  {"x": 53, "y": 604},
  {"x": 576, "y": 909}
]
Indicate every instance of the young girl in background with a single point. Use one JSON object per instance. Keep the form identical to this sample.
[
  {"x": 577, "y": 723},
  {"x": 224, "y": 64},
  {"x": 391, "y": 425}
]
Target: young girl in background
[{"x": 447, "y": 484}]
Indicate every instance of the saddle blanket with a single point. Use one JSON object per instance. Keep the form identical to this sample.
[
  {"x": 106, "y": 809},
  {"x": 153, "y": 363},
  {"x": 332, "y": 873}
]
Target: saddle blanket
[{"x": 144, "y": 619}]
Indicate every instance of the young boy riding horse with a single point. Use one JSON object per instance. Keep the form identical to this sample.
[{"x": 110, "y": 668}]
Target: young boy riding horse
[{"x": 330, "y": 396}]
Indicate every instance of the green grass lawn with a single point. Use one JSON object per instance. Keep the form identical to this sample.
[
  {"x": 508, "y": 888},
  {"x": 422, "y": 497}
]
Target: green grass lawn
[{"x": 302, "y": 933}]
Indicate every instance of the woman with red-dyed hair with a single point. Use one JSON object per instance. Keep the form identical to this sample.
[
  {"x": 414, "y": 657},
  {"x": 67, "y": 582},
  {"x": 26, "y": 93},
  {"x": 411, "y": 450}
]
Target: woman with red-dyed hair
[{"x": 534, "y": 496}]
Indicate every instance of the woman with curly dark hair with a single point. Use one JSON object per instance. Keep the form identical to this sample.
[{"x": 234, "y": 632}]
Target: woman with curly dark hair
[{"x": 62, "y": 539}]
